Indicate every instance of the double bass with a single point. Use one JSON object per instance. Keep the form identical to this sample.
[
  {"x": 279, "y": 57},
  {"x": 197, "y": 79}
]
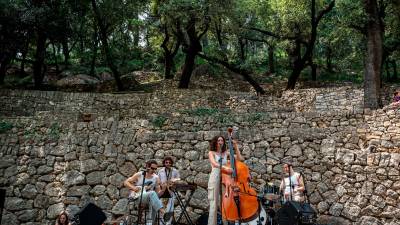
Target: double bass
[{"x": 239, "y": 201}]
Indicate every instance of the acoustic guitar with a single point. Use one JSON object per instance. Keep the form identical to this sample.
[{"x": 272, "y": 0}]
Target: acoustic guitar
[{"x": 134, "y": 195}]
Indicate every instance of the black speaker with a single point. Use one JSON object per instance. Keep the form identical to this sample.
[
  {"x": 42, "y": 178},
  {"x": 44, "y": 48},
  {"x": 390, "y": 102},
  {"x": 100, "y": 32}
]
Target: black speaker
[
  {"x": 203, "y": 219},
  {"x": 2, "y": 200},
  {"x": 296, "y": 213},
  {"x": 91, "y": 214}
]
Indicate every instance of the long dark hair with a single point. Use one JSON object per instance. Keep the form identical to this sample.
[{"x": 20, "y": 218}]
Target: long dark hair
[
  {"x": 214, "y": 144},
  {"x": 66, "y": 219}
]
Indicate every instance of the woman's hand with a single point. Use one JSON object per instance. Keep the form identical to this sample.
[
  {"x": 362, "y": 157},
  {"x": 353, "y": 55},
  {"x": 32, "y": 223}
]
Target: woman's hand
[{"x": 227, "y": 170}]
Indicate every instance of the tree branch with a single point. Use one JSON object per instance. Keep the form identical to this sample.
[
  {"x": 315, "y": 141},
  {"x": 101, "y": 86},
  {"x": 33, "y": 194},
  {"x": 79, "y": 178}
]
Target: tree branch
[
  {"x": 233, "y": 68},
  {"x": 325, "y": 11}
]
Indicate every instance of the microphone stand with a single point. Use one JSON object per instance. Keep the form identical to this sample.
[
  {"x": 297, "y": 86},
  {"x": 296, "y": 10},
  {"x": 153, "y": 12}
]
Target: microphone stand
[
  {"x": 268, "y": 210},
  {"x": 140, "y": 199},
  {"x": 259, "y": 198},
  {"x": 220, "y": 183},
  {"x": 305, "y": 192},
  {"x": 290, "y": 182}
]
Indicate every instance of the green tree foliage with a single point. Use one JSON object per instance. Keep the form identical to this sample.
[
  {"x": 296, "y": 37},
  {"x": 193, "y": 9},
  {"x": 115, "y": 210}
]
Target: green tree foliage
[{"x": 255, "y": 38}]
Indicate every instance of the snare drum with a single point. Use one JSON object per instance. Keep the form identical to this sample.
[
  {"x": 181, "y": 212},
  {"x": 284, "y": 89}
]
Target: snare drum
[{"x": 271, "y": 192}]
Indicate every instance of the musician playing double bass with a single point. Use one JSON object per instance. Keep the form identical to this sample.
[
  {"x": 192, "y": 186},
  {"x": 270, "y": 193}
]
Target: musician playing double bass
[
  {"x": 168, "y": 175},
  {"x": 218, "y": 156}
]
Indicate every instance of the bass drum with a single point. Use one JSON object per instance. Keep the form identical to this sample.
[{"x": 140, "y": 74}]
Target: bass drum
[{"x": 261, "y": 219}]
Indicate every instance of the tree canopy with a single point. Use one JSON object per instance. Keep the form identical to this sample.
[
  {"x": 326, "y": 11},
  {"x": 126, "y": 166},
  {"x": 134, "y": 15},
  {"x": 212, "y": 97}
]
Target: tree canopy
[{"x": 317, "y": 40}]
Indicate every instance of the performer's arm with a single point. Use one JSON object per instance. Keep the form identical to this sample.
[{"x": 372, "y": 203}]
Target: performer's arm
[
  {"x": 158, "y": 187},
  {"x": 238, "y": 156},
  {"x": 215, "y": 164},
  {"x": 282, "y": 187},
  {"x": 301, "y": 183},
  {"x": 132, "y": 180}
]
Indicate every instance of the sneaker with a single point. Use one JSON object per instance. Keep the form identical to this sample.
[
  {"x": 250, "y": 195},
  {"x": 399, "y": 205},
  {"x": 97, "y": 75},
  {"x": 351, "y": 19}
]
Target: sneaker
[{"x": 167, "y": 216}]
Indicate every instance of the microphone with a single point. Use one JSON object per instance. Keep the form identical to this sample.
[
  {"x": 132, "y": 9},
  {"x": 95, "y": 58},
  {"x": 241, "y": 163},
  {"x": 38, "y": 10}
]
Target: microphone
[
  {"x": 143, "y": 170},
  {"x": 220, "y": 148}
]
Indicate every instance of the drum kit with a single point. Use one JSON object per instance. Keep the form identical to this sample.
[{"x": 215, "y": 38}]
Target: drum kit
[
  {"x": 275, "y": 210},
  {"x": 271, "y": 201}
]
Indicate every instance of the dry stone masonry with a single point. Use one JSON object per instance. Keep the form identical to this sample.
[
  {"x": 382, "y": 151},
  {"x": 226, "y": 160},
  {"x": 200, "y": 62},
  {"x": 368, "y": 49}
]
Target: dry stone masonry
[{"x": 59, "y": 151}]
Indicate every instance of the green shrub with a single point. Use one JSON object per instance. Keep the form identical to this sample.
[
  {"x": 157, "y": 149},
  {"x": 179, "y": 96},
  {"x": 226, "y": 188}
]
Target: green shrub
[
  {"x": 54, "y": 131},
  {"x": 254, "y": 117},
  {"x": 159, "y": 121},
  {"x": 202, "y": 112},
  {"x": 134, "y": 64},
  {"x": 5, "y": 126}
]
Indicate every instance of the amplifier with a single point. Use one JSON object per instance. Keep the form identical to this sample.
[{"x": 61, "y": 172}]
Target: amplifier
[
  {"x": 91, "y": 214},
  {"x": 296, "y": 213}
]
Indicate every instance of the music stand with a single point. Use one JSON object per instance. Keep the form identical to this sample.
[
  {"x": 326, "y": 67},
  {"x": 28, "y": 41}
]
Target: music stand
[
  {"x": 166, "y": 194},
  {"x": 183, "y": 206}
]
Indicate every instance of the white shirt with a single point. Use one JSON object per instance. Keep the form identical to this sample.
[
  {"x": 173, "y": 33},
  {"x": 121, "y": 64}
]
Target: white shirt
[{"x": 167, "y": 175}]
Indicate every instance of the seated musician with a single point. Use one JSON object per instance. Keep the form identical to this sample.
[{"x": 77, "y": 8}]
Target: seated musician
[
  {"x": 293, "y": 187},
  {"x": 168, "y": 175},
  {"x": 151, "y": 189}
]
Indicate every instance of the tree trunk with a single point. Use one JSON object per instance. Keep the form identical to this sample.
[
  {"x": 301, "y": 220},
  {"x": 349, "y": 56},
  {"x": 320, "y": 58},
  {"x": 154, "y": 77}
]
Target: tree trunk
[
  {"x": 218, "y": 33},
  {"x": 169, "y": 54},
  {"x": 65, "y": 52},
  {"x": 300, "y": 63},
  {"x": 388, "y": 77},
  {"x": 107, "y": 51},
  {"x": 24, "y": 53},
  {"x": 329, "y": 53},
  {"x": 271, "y": 61},
  {"x": 5, "y": 62},
  {"x": 297, "y": 65},
  {"x": 373, "y": 62},
  {"x": 394, "y": 65},
  {"x": 191, "y": 52},
  {"x": 168, "y": 60},
  {"x": 94, "y": 56},
  {"x": 187, "y": 70},
  {"x": 136, "y": 31},
  {"x": 313, "y": 71},
  {"x": 39, "y": 59},
  {"x": 55, "y": 58},
  {"x": 242, "y": 50}
]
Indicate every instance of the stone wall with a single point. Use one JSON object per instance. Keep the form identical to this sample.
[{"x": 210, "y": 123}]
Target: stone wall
[{"x": 51, "y": 160}]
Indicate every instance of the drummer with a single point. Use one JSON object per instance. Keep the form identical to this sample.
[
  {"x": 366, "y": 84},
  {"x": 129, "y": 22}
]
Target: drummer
[
  {"x": 292, "y": 184},
  {"x": 168, "y": 175}
]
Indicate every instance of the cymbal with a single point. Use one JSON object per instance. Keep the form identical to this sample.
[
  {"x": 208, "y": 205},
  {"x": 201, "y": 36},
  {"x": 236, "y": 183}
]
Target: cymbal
[{"x": 271, "y": 197}]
